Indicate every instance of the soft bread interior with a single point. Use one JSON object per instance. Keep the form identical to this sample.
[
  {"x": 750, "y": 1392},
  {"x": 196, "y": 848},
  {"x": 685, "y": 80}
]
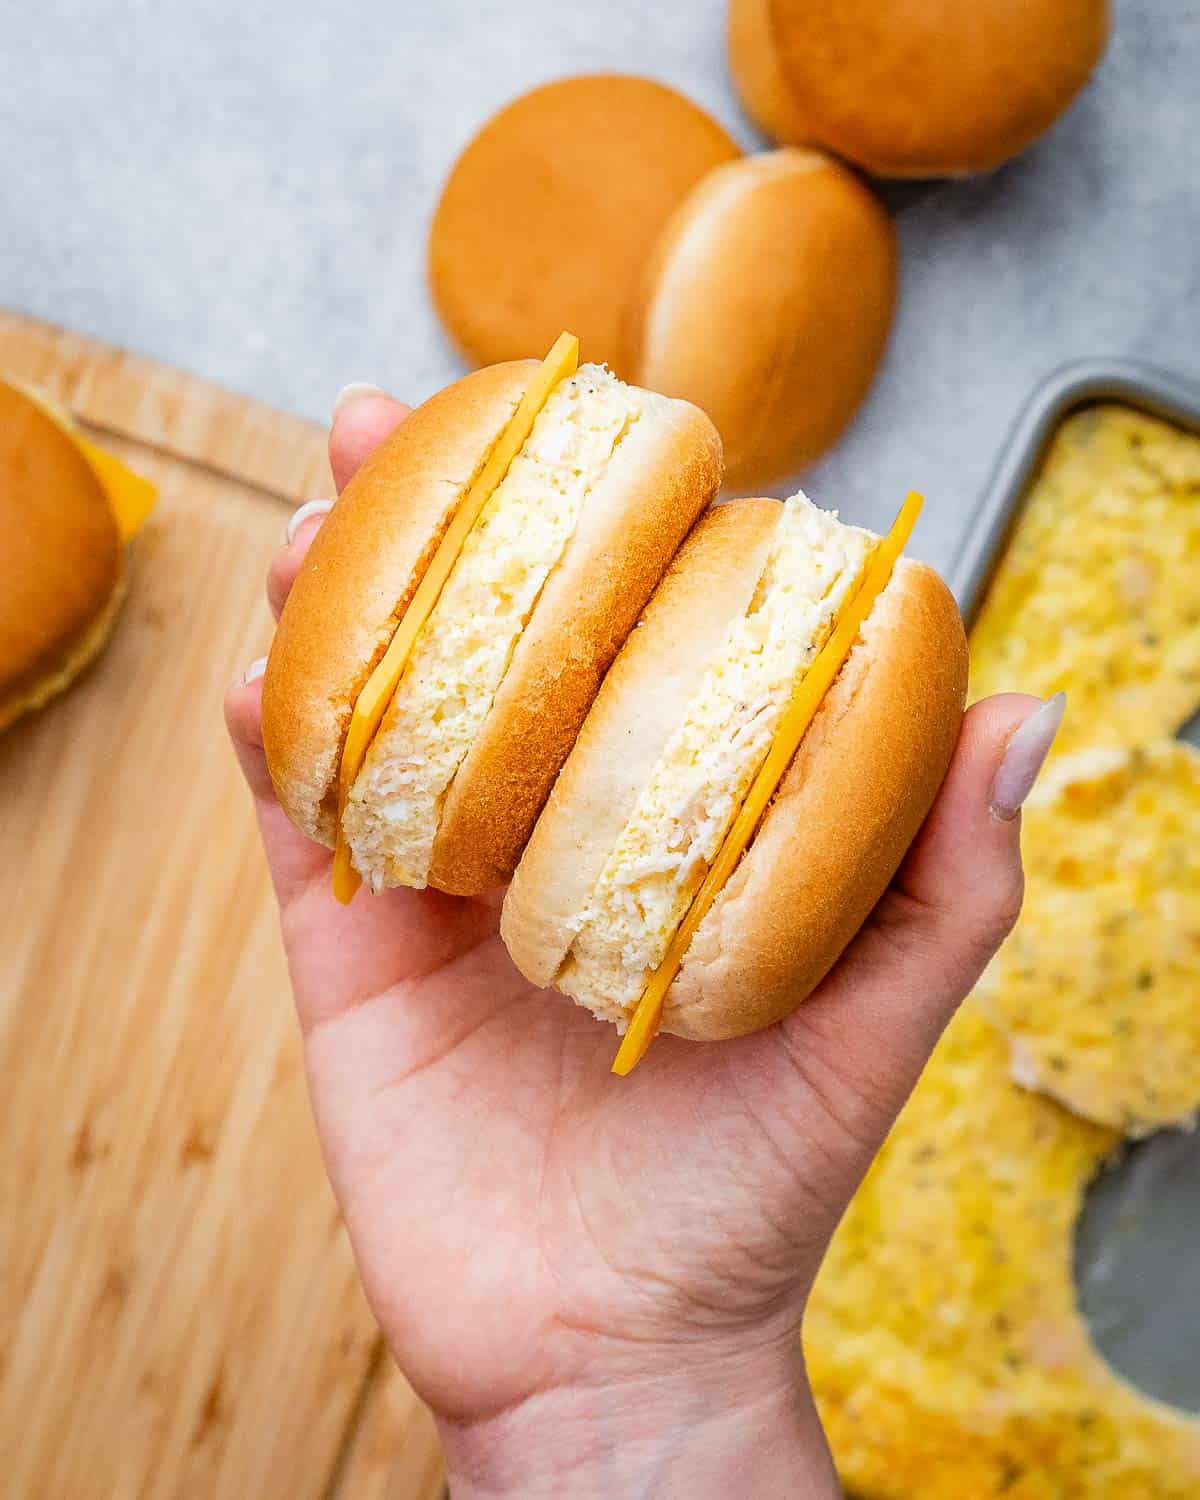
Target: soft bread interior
[
  {"x": 461, "y": 655},
  {"x": 705, "y": 770}
]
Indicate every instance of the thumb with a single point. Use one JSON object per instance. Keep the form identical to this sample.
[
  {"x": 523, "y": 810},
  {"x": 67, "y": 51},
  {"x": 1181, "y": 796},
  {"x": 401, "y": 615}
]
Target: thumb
[{"x": 953, "y": 902}]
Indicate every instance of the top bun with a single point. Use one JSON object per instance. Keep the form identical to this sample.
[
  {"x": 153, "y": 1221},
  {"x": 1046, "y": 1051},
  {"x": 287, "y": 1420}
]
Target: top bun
[
  {"x": 758, "y": 74},
  {"x": 916, "y": 88},
  {"x": 768, "y": 302},
  {"x": 61, "y": 562},
  {"x": 549, "y": 581},
  {"x": 551, "y": 211}
]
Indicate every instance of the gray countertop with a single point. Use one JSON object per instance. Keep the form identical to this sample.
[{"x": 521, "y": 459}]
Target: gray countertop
[{"x": 244, "y": 191}]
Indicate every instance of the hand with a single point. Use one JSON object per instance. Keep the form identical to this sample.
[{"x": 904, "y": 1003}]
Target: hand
[{"x": 598, "y": 1283}]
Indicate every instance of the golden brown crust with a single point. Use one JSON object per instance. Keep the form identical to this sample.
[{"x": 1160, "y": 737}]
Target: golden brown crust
[
  {"x": 665, "y": 473},
  {"x": 551, "y": 211},
  {"x": 359, "y": 575},
  {"x": 921, "y": 88},
  {"x": 765, "y": 93},
  {"x": 781, "y": 349},
  {"x": 853, "y": 798},
  {"x": 640, "y": 703},
  {"x": 61, "y": 558}
]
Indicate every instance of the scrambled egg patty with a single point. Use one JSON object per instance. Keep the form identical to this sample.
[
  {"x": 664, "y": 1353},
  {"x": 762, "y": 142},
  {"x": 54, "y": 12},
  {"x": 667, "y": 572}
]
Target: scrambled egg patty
[
  {"x": 1098, "y": 590},
  {"x": 463, "y": 651},
  {"x": 1098, "y": 988},
  {"x": 695, "y": 790}
]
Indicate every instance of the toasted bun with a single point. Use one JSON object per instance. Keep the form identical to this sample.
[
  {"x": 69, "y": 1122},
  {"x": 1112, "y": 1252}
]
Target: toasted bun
[
  {"x": 366, "y": 563},
  {"x": 849, "y": 806},
  {"x": 768, "y": 303},
  {"x": 918, "y": 88},
  {"x": 551, "y": 211},
  {"x": 61, "y": 561}
]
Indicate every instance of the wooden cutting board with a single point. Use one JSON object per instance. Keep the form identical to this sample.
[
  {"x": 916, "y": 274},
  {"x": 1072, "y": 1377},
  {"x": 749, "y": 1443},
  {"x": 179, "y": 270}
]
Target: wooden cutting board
[{"x": 179, "y": 1310}]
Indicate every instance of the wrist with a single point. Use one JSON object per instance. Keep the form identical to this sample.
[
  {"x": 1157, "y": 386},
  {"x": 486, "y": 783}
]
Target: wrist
[{"x": 710, "y": 1428}]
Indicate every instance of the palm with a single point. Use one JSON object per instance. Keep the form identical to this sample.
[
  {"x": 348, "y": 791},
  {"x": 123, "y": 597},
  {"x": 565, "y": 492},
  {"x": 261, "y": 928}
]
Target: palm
[{"x": 509, "y": 1200}]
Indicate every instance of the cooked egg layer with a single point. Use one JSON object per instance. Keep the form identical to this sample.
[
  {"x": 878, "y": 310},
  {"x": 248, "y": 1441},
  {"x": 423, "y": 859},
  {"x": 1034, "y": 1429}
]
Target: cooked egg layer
[
  {"x": 705, "y": 771},
  {"x": 465, "y": 647},
  {"x": 1096, "y": 988},
  {"x": 1096, "y": 592}
]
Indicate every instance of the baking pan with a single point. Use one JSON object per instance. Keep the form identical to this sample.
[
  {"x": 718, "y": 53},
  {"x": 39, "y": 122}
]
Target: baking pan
[
  {"x": 1122, "y": 1255},
  {"x": 1174, "y": 398}
]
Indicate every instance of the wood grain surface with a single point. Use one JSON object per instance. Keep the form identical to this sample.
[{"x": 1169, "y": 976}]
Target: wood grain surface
[{"x": 179, "y": 1310}]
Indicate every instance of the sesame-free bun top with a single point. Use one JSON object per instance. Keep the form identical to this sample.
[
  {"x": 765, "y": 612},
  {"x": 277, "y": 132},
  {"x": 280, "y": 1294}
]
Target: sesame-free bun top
[
  {"x": 917, "y": 88},
  {"x": 768, "y": 303},
  {"x": 550, "y": 579},
  {"x": 61, "y": 560},
  {"x": 758, "y": 74},
  {"x": 552, "y": 209},
  {"x": 601, "y": 886}
]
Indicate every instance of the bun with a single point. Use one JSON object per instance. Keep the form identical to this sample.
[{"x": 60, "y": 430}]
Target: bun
[
  {"x": 758, "y": 76},
  {"x": 916, "y": 88},
  {"x": 552, "y": 209},
  {"x": 849, "y": 805},
  {"x": 62, "y": 560},
  {"x": 768, "y": 303},
  {"x": 359, "y": 575}
]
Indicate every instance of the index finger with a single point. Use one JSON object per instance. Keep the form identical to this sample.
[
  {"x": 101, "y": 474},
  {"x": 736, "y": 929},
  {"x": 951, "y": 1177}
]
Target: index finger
[{"x": 359, "y": 426}]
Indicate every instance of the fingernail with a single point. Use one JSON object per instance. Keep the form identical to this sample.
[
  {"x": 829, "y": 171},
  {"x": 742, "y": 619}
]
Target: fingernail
[
  {"x": 355, "y": 391},
  {"x": 302, "y": 513},
  {"x": 255, "y": 670},
  {"x": 1024, "y": 757}
]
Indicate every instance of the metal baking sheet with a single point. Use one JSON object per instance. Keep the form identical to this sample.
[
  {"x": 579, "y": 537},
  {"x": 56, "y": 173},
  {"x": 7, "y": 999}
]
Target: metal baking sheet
[{"x": 1137, "y": 1267}]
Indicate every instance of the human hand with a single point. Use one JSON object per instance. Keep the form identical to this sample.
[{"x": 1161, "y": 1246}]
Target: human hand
[{"x": 597, "y": 1283}]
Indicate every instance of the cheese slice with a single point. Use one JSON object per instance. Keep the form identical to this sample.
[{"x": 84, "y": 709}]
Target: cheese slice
[
  {"x": 372, "y": 702},
  {"x": 130, "y": 497},
  {"x": 810, "y": 689}
]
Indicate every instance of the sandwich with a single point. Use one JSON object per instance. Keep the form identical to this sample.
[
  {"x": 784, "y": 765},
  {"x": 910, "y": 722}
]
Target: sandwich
[
  {"x": 753, "y": 770},
  {"x": 453, "y": 619},
  {"x": 67, "y": 510}
]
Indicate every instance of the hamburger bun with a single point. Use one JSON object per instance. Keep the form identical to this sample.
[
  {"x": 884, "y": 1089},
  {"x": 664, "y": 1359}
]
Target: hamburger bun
[
  {"x": 551, "y": 211},
  {"x": 673, "y": 741},
  {"x": 550, "y": 579},
  {"x": 768, "y": 302},
  {"x": 916, "y": 88},
  {"x": 61, "y": 566},
  {"x": 757, "y": 74}
]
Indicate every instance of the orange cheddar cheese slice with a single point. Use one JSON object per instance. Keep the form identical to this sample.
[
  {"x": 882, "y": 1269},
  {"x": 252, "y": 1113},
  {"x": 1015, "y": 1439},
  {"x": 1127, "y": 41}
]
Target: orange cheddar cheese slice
[
  {"x": 810, "y": 689},
  {"x": 372, "y": 702},
  {"x": 130, "y": 496}
]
